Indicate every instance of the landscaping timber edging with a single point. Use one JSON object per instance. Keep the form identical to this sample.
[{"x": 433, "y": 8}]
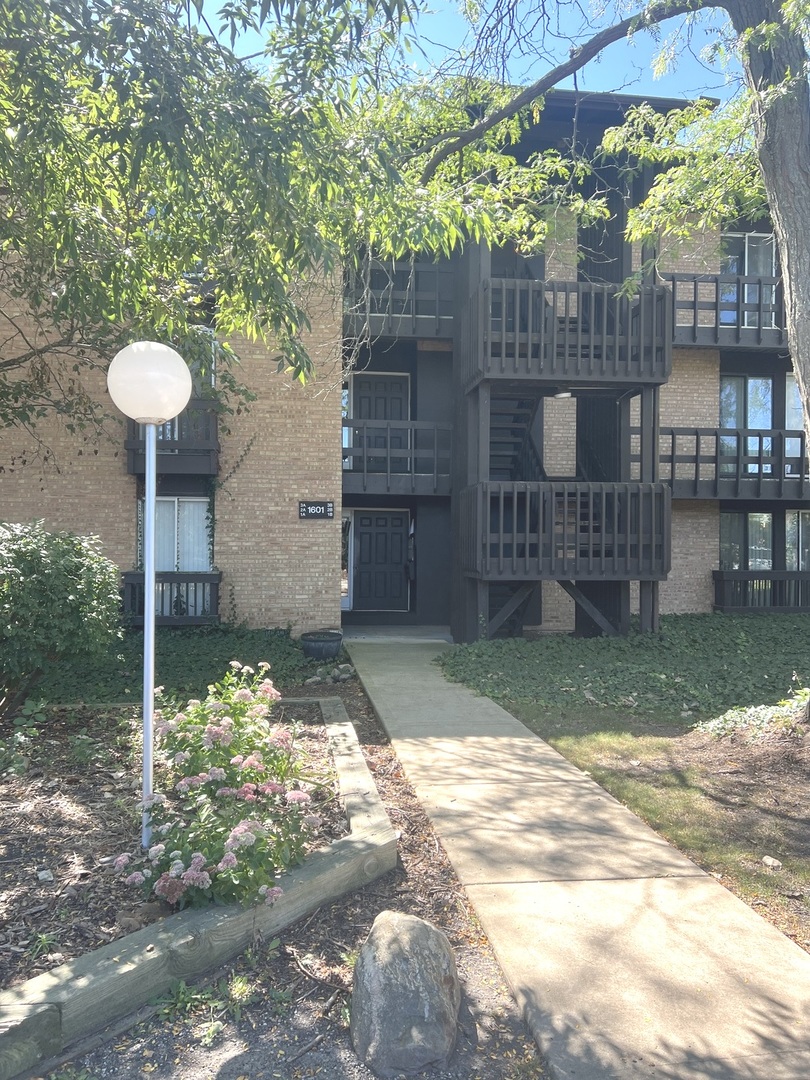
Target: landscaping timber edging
[{"x": 44, "y": 1016}]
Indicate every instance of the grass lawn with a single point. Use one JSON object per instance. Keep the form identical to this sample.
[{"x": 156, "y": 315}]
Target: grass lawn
[{"x": 684, "y": 728}]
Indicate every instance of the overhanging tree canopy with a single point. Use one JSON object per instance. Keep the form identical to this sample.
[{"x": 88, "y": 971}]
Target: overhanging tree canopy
[
  {"x": 143, "y": 166},
  {"x": 758, "y": 146},
  {"x": 148, "y": 173}
]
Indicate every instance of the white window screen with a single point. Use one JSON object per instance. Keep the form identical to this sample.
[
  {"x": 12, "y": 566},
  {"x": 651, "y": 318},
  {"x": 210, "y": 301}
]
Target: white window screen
[
  {"x": 181, "y": 535},
  {"x": 797, "y": 540},
  {"x": 192, "y": 535}
]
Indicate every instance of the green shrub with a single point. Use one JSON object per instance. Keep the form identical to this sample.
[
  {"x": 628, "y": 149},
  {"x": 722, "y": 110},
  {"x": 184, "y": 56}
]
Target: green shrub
[{"x": 59, "y": 600}]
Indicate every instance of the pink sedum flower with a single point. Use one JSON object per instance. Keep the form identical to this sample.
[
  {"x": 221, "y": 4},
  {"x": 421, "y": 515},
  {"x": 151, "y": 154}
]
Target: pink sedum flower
[
  {"x": 267, "y": 689},
  {"x": 197, "y": 879},
  {"x": 299, "y": 797},
  {"x": 227, "y": 862},
  {"x": 122, "y": 861},
  {"x": 253, "y": 761},
  {"x": 271, "y": 789},
  {"x": 170, "y": 888},
  {"x": 270, "y": 895},
  {"x": 135, "y": 879}
]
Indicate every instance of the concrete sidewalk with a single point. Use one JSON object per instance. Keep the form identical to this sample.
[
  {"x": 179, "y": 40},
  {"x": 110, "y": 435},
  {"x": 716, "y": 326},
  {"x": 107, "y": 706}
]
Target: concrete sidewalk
[{"x": 627, "y": 959}]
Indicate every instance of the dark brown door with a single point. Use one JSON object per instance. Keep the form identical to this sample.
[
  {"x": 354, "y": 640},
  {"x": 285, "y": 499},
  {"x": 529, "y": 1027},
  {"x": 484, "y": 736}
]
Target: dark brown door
[
  {"x": 381, "y": 557},
  {"x": 385, "y": 398}
]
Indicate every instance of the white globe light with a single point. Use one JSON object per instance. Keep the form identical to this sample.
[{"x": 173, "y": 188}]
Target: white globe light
[{"x": 149, "y": 382}]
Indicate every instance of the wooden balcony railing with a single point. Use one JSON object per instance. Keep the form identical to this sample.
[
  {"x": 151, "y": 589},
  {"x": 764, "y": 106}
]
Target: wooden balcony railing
[
  {"x": 733, "y": 463},
  {"x": 397, "y": 456},
  {"x": 181, "y": 599},
  {"x": 570, "y": 333},
  {"x": 187, "y": 444},
  {"x": 761, "y": 590},
  {"x": 720, "y": 309},
  {"x": 402, "y": 299},
  {"x": 565, "y": 530}
]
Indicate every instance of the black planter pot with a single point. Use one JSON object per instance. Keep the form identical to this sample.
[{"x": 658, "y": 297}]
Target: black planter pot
[{"x": 321, "y": 644}]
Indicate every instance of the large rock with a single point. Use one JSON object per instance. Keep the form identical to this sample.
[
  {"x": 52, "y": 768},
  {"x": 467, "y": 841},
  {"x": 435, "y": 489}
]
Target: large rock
[{"x": 405, "y": 998}]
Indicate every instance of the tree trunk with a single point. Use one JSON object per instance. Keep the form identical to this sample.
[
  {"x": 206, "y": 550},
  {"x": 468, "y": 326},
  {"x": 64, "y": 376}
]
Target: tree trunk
[{"x": 777, "y": 75}]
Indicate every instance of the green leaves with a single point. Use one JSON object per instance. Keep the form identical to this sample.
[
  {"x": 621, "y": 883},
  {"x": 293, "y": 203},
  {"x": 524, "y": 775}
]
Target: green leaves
[
  {"x": 142, "y": 157},
  {"x": 59, "y": 601},
  {"x": 703, "y": 664},
  {"x": 709, "y": 174}
]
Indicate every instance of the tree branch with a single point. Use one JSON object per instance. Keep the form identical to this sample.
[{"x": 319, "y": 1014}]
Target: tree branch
[{"x": 650, "y": 16}]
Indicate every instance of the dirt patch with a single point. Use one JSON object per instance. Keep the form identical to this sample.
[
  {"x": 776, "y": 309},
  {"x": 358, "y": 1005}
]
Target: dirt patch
[
  {"x": 281, "y": 1010},
  {"x": 757, "y": 787}
]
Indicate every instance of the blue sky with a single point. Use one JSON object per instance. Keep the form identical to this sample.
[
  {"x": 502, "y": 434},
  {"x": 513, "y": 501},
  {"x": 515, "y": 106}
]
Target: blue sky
[{"x": 624, "y": 66}]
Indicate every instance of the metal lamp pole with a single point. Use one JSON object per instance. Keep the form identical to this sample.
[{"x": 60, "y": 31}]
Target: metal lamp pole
[
  {"x": 150, "y": 383},
  {"x": 149, "y": 514}
]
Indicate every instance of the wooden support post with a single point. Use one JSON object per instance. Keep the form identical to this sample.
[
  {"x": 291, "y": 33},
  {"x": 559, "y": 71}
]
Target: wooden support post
[{"x": 649, "y": 619}]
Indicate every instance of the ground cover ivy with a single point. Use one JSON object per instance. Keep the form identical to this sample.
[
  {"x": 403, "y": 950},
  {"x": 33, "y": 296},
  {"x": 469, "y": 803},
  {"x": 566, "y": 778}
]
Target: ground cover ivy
[
  {"x": 236, "y": 806},
  {"x": 697, "y": 664},
  {"x": 187, "y": 660}
]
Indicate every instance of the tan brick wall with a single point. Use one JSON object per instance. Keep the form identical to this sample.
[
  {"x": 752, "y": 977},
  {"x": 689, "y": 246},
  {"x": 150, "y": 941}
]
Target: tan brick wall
[
  {"x": 695, "y": 553},
  {"x": 277, "y": 570},
  {"x": 561, "y": 248},
  {"x": 558, "y": 609},
  {"x": 559, "y": 436},
  {"x": 72, "y": 483},
  {"x": 698, "y": 254},
  {"x": 691, "y": 398}
]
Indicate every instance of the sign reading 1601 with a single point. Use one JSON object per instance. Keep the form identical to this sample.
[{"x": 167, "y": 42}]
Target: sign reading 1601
[{"x": 316, "y": 509}]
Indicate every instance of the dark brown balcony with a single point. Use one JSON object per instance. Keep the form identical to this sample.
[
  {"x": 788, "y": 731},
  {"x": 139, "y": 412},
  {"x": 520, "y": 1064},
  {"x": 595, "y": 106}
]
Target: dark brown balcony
[
  {"x": 720, "y": 309},
  {"x": 567, "y": 334},
  {"x": 189, "y": 444},
  {"x": 565, "y": 531},
  {"x": 734, "y": 463},
  {"x": 400, "y": 457},
  {"x": 761, "y": 590},
  {"x": 403, "y": 299},
  {"x": 181, "y": 599}
]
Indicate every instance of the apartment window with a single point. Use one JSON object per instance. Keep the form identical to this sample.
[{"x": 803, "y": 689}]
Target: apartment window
[
  {"x": 746, "y": 401},
  {"x": 182, "y": 535},
  {"x": 794, "y": 421},
  {"x": 751, "y": 302},
  {"x": 797, "y": 540},
  {"x": 746, "y": 541}
]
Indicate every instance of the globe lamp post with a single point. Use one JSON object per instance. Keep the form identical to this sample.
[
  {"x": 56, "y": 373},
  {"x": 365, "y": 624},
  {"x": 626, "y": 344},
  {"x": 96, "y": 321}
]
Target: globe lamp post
[{"x": 150, "y": 383}]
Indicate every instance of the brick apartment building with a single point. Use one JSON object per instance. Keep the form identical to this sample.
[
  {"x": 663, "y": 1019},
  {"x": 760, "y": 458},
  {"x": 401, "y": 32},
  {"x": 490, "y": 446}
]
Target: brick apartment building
[{"x": 523, "y": 445}]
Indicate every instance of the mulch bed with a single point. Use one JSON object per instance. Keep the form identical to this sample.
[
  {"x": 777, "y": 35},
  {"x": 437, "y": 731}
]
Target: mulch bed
[
  {"x": 294, "y": 1021},
  {"x": 66, "y": 819}
]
